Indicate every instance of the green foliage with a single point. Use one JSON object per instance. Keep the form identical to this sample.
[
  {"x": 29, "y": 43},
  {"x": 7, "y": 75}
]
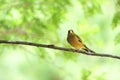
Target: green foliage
[
  {"x": 85, "y": 74},
  {"x": 91, "y": 7},
  {"x": 47, "y": 22},
  {"x": 116, "y": 19}
]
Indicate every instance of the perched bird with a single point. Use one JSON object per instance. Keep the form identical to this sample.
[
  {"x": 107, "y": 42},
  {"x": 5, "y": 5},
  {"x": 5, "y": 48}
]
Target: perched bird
[{"x": 76, "y": 42}]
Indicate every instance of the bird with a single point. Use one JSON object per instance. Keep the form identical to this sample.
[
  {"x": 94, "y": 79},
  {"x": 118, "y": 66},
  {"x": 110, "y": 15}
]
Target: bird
[{"x": 75, "y": 41}]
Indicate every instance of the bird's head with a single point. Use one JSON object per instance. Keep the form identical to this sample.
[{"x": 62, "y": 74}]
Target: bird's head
[{"x": 70, "y": 31}]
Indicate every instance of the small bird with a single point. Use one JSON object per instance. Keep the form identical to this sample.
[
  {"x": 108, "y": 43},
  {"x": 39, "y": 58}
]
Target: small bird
[{"x": 76, "y": 42}]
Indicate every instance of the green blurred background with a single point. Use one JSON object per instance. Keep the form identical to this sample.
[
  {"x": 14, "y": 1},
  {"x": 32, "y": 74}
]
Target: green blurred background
[{"x": 97, "y": 22}]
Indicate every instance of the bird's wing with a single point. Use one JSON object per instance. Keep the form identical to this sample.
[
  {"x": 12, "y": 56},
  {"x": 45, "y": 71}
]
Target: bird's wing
[{"x": 78, "y": 38}]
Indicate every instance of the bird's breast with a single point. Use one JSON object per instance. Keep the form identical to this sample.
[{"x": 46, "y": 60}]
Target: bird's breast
[{"x": 74, "y": 41}]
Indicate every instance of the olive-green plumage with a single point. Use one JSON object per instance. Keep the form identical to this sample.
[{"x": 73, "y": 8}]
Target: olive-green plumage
[{"x": 76, "y": 42}]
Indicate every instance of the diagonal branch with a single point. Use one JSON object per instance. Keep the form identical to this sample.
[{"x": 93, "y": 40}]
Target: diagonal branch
[{"x": 58, "y": 48}]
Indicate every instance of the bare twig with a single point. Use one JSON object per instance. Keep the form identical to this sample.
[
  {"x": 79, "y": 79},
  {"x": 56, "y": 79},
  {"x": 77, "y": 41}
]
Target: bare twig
[{"x": 58, "y": 48}]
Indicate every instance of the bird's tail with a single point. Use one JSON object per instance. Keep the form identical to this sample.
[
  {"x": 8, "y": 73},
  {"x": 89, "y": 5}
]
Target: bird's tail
[{"x": 88, "y": 50}]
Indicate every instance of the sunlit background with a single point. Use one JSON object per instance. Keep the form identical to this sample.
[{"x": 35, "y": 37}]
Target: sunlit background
[{"x": 97, "y": 22}]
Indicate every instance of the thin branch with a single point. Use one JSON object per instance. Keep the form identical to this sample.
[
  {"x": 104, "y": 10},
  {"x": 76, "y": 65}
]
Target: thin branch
[{"x": 58, "y": 48}]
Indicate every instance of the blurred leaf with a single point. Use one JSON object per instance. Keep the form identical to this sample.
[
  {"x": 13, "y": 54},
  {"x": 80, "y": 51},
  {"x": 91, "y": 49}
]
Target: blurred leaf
[
  {"x": 116, "y": 19},
  {"x": 117, "y": 39},
  {"x": 86, "y": 74}
]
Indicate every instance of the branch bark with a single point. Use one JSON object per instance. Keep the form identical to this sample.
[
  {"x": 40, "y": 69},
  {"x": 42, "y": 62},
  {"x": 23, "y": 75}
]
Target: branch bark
[{"x": 58, "y": 48}]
